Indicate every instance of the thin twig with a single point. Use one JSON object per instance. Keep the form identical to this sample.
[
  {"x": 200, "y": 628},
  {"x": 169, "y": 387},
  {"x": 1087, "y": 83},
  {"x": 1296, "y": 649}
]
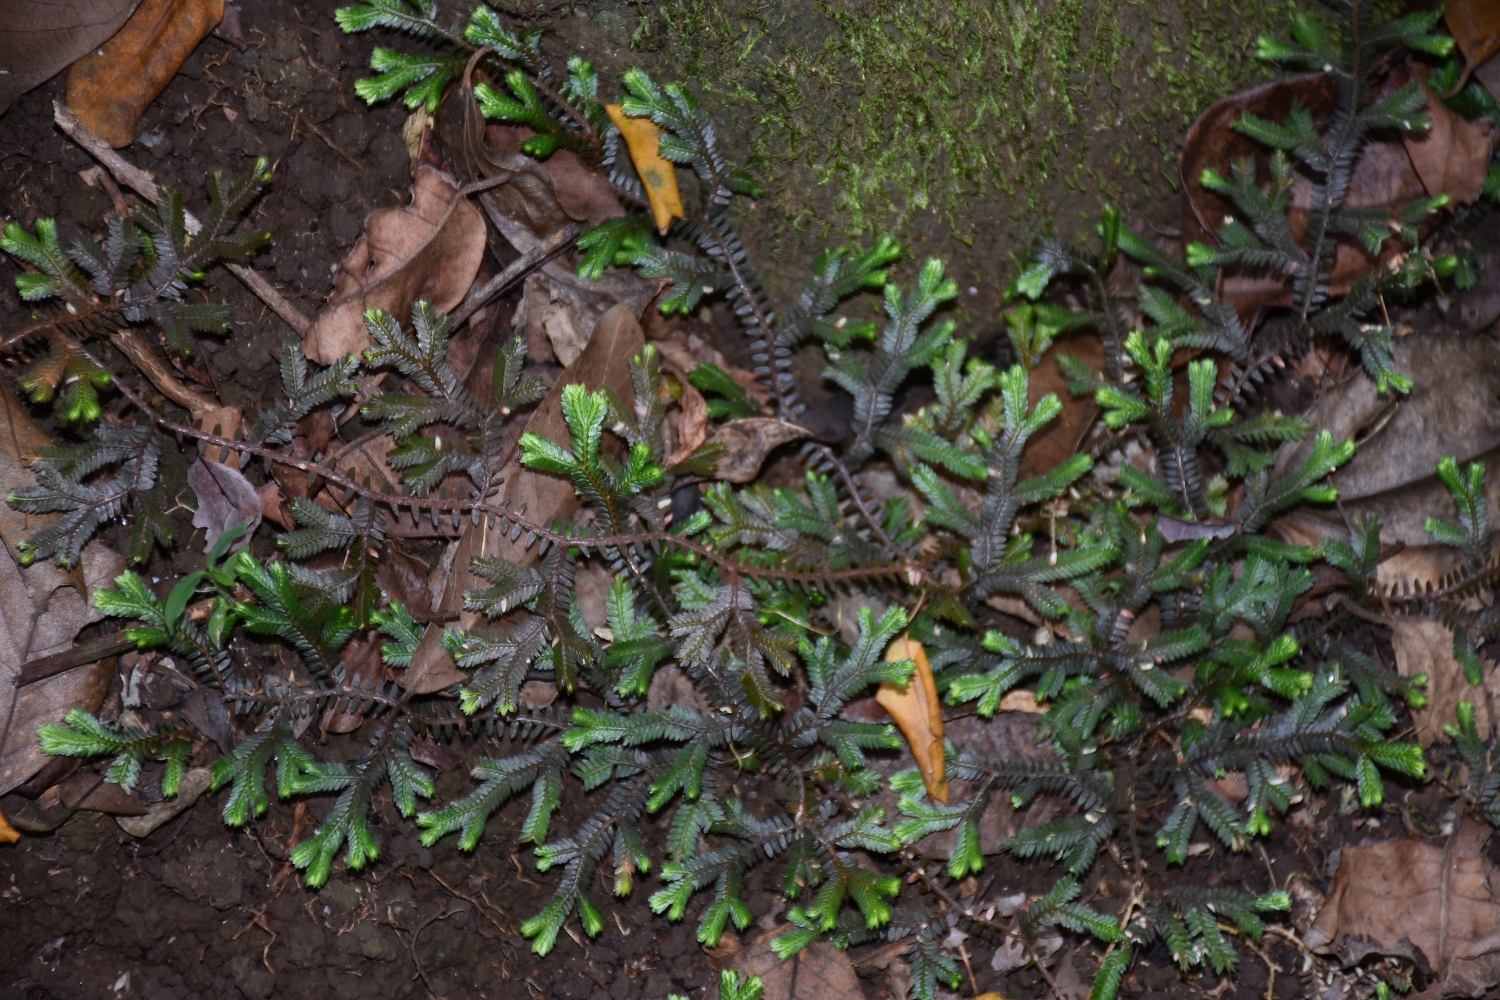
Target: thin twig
[
  {"x": 516, "y": 271},
  {"x": 145, "y": 185}
]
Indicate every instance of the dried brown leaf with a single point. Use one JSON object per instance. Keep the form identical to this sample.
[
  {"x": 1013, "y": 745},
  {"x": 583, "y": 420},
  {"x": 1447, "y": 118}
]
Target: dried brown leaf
[
  {"x": 426, "y": 750},
  {"x": 1475, "y": 25},
  {"x": 1421, "y": 901},
  {"x": 918, "y": 714},
  {"x": 1059, "y": 440},
  {"x": 1424, "y": 646},
  {"x": 584, "y": 193},
  {"x": 41, "y": 38},
  {"x": 430, "y": 249},
  {"x": 189, "y": 790},
  {"x": 1449, "y": 411},
  {"x": 364, "y": 669},
  {"x": 111, "y": 88},
  {"x": 1453, "y": 156},
  {"x": 432, "y": 669},
  {"x": 225, "y": 498},
  {"x": 818, "y": 972},
  {"x": 1388, "y": 174},
  {"x": 42, "y": 608},
  {"x": 748, "y": 441}
]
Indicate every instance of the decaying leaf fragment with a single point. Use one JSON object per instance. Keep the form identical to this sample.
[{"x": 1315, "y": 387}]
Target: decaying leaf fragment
[
  {"x": 225, "y": 498},
  {"x": 748, "y": 441},
  {"x": 818, "y": 972},
  {"x": 42, "y": 608},
  {"x": 1423, "y": 901},
  {"x": 918, "y": 714},
  {"x": 643, "y": 138},
  {"x": 1425, "y": 646},
  {"x": 110, "y": 89},
  {"x": 430, "y": 249}
]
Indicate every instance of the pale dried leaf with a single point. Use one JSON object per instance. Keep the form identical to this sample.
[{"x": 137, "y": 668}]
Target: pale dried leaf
[
  {"x": 42, "y": 608},
  {"x": 430, "y": 249},
  {"x": 432, "y": 669},
  {"x": 193, "y": 785},
  {"x": 1453, "y": 156},
  {"x": 225, "y": 498},
  {"x": 540, "y": 497},
  {"x": 1425, "y": 646},
  {"x": 747, "y": 442}
]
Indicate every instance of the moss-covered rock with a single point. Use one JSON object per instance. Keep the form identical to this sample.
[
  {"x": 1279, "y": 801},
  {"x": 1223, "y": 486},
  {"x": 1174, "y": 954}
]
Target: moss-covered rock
[{"x": 962, "y": 126}]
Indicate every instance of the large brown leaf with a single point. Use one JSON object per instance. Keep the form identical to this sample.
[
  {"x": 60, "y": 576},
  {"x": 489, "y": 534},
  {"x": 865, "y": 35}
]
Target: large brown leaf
[
  {"x": 42, "y": 607},
  {"x": 41, "y": 38},
  {"x": 1423, "y": 901},
  {"x": 110, "y": 89},
  {"x": 430, "y": 249}
]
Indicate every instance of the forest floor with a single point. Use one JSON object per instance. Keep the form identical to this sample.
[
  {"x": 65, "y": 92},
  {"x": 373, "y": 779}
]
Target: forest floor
[{"x": 197, "y": 909}]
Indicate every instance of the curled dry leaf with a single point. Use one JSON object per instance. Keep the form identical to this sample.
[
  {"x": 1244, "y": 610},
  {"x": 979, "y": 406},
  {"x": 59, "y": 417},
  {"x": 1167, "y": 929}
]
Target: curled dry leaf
[
  {"x": 1422, "y": 901},
  {"x": 110, "y": 89},
  {"x": 685, "y": 426},
  {"x": 426, "y": 750},
  {"x": 225, "y": 498},
  {"x": 584, "y": 193},
  {"x": 189, "y": 790},
  {"x": 84, "y": 790},
  {"x": 42, "y": 608},
  {"x": 41, "y": 38},
  {"x": 430, "y": 249},
  {"x": 748, "y": 441},
  {"x": 918, "y": 714},
  {"x": 658, "y": 176},
  {"x": 1450, "y": 410}
]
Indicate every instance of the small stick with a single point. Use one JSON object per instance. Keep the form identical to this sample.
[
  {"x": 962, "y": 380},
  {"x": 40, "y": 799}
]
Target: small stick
[
  {"x": 144, "y": 184},
  {"x": 515, "y": 271},
  {"x": 150, "y": 366},
  {"x": 328, "y": 141}
]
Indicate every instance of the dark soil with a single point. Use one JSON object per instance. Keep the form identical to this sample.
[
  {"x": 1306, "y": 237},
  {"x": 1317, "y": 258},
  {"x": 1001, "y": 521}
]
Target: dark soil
[{"x": 198, "y": 909}]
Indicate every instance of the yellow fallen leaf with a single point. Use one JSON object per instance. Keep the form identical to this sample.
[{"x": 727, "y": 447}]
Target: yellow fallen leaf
[
  {"x": 918, "y": 714},
  {"x": 8, "y": 833},
  {"x": 643, "y": 139}
]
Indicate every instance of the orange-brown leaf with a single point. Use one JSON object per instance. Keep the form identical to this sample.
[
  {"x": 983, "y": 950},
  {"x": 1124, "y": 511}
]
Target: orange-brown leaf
[
  {"x": 918, "y": 714},
  {"x": 110, "y": 89},
  {"x": 1476, "y": 28},
  {"x": 8, "y": 833},
  {"x": 643, "y": 139}
]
